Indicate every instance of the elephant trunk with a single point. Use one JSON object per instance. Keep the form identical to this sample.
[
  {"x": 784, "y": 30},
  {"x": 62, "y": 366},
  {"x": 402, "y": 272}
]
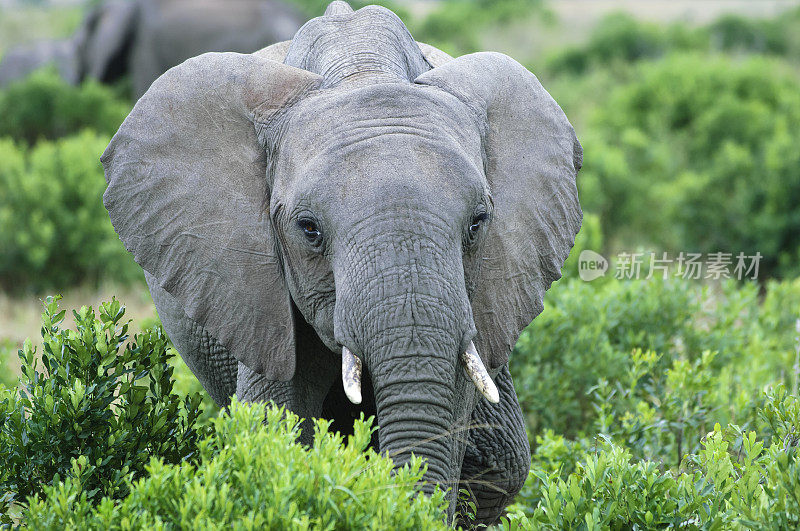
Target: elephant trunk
[
  {"x": 414, "y": 396},
  {"x": 406, "y": 315}
]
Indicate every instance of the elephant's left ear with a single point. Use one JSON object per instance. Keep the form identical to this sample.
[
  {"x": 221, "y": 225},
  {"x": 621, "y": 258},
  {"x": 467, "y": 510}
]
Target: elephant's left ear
[{"x": 532, "y": 160}]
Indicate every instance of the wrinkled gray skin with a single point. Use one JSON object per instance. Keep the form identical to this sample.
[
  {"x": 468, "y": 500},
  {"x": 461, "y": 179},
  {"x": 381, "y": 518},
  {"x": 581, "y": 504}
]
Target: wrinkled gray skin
[
  {"x": 444, "y": 194},
  {"x": 147, "y": 37}
]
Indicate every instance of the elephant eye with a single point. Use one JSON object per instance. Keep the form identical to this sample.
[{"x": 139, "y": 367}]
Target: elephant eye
[
  {"x": 310, "y": 230},
  {"x": 476, "y": 223}
]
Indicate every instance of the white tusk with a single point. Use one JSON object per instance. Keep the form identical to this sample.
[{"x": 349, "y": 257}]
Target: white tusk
[
  {"x": 351, "y": 375},
  {"x": 477, "y": 372}
]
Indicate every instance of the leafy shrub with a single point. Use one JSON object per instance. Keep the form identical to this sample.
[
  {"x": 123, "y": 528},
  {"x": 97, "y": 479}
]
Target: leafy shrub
[
  {"x": 624, "y": 387},
  {"x": 100, "y": 409},
  {"x": 619, "y": 38},
  {"x": 697, "y": 154},
  {"x": 775, "y": 36},
  {"x": 638, "y": 345},
  {"x": 455, "y": 25},
  {"x": 54, "y": 230},
  {"x": 252, "y": 475},
  {"x": 44, "y": 106},
  {"x": 586, "y": 333},
  {"x": 737, "y": 479}
]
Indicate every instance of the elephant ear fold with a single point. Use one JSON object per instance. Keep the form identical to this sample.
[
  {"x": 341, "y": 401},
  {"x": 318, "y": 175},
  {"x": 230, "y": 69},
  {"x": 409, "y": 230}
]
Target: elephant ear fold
[
  {"x": 532, "y": 158},
  {"x": 187, "y": 194}
]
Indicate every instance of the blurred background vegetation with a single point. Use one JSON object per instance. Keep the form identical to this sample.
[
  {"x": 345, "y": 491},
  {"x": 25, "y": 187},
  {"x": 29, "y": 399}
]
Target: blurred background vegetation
[{"x": 689, "y": 115}]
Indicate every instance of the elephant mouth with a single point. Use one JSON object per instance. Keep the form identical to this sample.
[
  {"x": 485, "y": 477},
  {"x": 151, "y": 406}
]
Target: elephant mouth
[{"x": 342, "y": 412}]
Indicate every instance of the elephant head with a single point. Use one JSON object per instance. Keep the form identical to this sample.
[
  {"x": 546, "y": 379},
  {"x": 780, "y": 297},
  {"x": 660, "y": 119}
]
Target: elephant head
[{"x": 414, "y": 216}]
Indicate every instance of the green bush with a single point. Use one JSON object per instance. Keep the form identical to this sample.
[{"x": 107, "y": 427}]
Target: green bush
[
  {"x": 252, "y": 475},
  {"x": 54, "y": 230},
  {"x": 698, "y": 154},
  {"x": 624, "y": 385},
  {"x": 775, "y": 36},
  {"x": 44, "y": 106},
  {"x": 619, "y": 38},
  {"x": 455, "y": 26},
  {"x": 100, "y": 409},
  {"x": 737, "y": 479},
  {"x": 638, "y": 345}
]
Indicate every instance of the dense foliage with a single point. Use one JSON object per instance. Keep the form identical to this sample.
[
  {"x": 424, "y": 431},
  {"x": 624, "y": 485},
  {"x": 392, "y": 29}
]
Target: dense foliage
[
  {"x": 455, "y": 26},
  {"x": 698, "y": 154},
  {"x": 252, "y": 475},
  {"x": 95, "y": 408},
  {"x": 43, "y": 106},
  {"x": 625, "y": 384},
  {"x": 620, "y": 39},
  {"x": 315, "y": 8},
  {"x": 687, "y": 148},
  {"x": 738, "y": 478},
  {"x": 645, "y": 400},
  {"x": 654, "y": 361},
  {"x": 54, "y": 230}
]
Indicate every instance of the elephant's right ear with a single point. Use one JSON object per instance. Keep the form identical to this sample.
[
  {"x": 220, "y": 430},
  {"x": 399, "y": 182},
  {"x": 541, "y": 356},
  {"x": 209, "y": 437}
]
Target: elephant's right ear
[{"x": 187, "y": 193}]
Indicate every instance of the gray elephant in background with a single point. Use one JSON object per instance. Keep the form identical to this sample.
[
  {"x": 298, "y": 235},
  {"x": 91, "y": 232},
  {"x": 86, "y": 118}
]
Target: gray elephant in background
[
  {"x": 354, "y": 222},
  {"x": 147, "y": 37}
]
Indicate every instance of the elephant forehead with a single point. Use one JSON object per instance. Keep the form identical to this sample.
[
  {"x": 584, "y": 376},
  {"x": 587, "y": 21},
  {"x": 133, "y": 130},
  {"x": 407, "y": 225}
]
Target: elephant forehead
[
  {"x": 385, "y": 117},
  {"x": 360, "y": 147}
]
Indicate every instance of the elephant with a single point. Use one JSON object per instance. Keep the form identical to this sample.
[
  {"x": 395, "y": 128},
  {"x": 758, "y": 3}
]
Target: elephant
[
  {"x": 353, "y": 222},
  {"x": 147, "y": 37}
]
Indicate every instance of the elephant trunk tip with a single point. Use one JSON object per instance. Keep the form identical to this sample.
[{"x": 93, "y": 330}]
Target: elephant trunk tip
[{"x": 338, "y": 7}]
